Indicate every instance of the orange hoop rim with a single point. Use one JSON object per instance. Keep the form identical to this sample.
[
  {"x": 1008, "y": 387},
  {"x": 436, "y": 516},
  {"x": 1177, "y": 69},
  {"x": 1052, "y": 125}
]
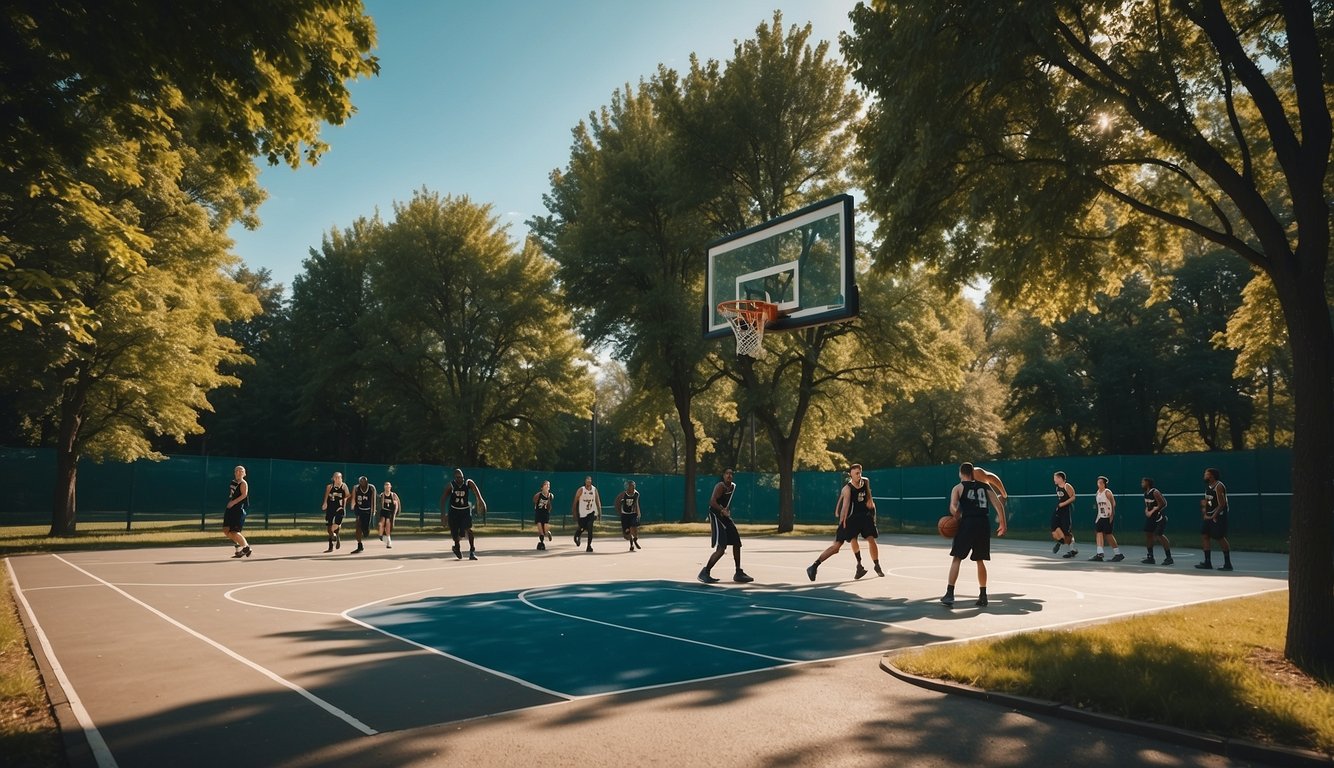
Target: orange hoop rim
[{"x": 751, "y": 310}]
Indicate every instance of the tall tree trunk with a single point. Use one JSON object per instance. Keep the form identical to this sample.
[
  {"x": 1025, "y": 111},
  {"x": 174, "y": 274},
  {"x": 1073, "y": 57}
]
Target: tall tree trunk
[
  {"x": 1310, "y": 641},
  {"x": 689, "y": 441},
  {"x": 63, "y": 508}
]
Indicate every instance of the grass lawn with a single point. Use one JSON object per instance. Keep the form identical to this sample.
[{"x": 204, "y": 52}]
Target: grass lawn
[
  {"x": 1216, "y": 668},
  {"x": 28, "y": 734}
]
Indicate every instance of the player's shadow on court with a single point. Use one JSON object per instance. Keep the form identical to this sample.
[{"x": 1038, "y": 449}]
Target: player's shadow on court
[{"x": 998, "y": 603}]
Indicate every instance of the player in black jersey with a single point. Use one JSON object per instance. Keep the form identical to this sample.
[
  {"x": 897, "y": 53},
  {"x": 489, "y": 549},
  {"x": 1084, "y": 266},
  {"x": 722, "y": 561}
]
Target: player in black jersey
[
  {"x": 389, "y": 507},
  {"x": 363, "y": 504},
  {"x": 542, "y": 513},
  {"x": 855, "y": 510},
  {"x": 1155, "y": 522},
  {"x": 969, "y": 504},
  {"x": 233, "y": 519},
  {"x": 723, "y": 531},
  {"x": 1213, "y": 510},
  {"x": 627, "y": 503},
  {"x": 458, "y": 513},
  {"x": 334, "y": 504},
  {"x": 1062, "y": 529}
]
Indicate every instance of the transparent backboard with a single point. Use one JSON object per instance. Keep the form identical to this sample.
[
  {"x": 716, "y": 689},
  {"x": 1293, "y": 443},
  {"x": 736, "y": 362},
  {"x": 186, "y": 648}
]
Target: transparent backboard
[{"x": 803, "y": 262}]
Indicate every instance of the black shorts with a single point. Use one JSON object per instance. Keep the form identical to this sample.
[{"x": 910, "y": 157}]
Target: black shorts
[
  {"x": 364, "y": 521},
  {"x": 542, "y": 516},
  {"x": 628, "y": 522},
  {"x": 233, "y": 518},
  {"x": 1103, "y": 525},
  {"x": 460, "y": 520},
  {"x": 1155, "y": 526},
  {"x": 333, "y": 518},
  {"x": 586, "y": 523},
  {"x": 974, "y": 535},
  {"x": 722, "y": 531},
  {"x": 857, "y": 525},
  {"x": 1214, "y": 529},
  {"x": 1060, "y": 520},
  {"x": 386, "y": 515}
]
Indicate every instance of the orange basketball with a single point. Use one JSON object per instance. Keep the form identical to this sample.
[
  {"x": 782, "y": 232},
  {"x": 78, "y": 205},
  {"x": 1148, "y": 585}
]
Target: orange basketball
[{"x": 948, "y": 526}]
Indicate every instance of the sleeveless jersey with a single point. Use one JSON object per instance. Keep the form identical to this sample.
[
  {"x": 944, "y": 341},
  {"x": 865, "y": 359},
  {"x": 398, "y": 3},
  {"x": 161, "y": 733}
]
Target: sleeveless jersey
[
  {"x": 458, "y": 496},
  {"x": 361, "y": 497},
  {"x": 587, "y": 500},
  {"x": 235, "y": 491},
  {"x": 543, "y": 503},
  {"x": 1211, "y": 496},
  {"x": 1061, "y": 496},
  {"x": 725, "y": 500},
  {"x": 1104, "y": 503},
  {"x": 1151, "y": 501},
  {"x": 860, "y": 498},
  {"x": 388, "y": 504},
  {"x": 337, "y": 495},
  {"x": 628, "y": 503},
  {"x": 973, "y": 499}
]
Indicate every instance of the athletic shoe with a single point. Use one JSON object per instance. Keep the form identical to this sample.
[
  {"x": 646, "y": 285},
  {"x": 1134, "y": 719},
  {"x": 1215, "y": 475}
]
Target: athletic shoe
[
  {"x": 878, "y": 571},
  {"x": 1149, "y": 560},
  {"x": 860, "y": 572},
  {"x": 707, "y": 578},
  {"x": 1168, "y": 561},
  {"x": 458, "y": 554},
  {"x": 1226, "y": 567},
  {"x": 589, "y": 548},
  {"x": 742, "y": 578},
  {"x": 810, "y": 572},
  {"x": 472, "y": 555},
  {"x": 1204, "y": 566},
  {"x": 338, "y": 543},
  {"x": 981, "y": 602},
  {"x": 238, "y": 554},
  {"x": 330, "y": 549},
  {"x": 246, "y": 551},
  {"x": 541, "y": 544},
  {"x": 358, "y": 549},
  {"x": 948, "y": 601},
  {"x": 1118, "y": 557},
  {"x": 576, "y": 537},
  {"x": 632, "y": 547},
  {"x": 1096, "y": 558},
  {"x": 388, "y": 545},
  {"x": 549, "y": 536},
  {"x": 1056, "y": 547},
  {"x": 1070, "y": 554},
  {"x": 637, "y": 544}
]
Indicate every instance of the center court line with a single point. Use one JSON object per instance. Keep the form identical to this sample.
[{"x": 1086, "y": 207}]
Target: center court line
[
  {"x": 523, "y": 598},
  {"x": 275, "y": 677},
  {"x": 101, "y": 752}
]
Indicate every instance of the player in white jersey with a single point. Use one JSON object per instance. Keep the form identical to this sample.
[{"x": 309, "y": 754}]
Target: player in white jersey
[
  {"x": 585, "y": 510},
  {"x": 1102, "y": 525}
]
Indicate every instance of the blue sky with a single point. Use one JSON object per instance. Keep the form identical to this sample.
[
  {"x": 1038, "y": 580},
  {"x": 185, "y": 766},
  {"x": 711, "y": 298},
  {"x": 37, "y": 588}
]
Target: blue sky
[{"x": 478, "y": 98}]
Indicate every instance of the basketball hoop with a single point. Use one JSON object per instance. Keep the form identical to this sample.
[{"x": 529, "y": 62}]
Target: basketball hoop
[{"x": 748, "y": 318}]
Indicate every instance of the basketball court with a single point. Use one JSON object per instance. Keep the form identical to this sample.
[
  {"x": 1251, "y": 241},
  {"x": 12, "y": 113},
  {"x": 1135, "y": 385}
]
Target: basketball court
[{"x": 297, "y": 657}]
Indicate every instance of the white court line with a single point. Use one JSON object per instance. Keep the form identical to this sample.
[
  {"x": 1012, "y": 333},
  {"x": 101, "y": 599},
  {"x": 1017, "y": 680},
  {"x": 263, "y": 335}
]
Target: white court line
[
  {"x": 275, "y": 677},
  {"x": 523, "y": 598},
  {"x": 101, "y": 752}
]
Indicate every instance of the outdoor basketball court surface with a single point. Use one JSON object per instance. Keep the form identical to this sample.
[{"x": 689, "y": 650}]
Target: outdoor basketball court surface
[{"x": 408, "y": 656}]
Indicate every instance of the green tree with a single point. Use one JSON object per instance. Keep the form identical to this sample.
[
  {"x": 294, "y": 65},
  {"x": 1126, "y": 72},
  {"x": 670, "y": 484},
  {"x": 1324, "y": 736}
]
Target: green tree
[
  {"x": 1032, "y": 140},
  {"x": 471, "y": 352},
  {"x": 626, "y": 229}
]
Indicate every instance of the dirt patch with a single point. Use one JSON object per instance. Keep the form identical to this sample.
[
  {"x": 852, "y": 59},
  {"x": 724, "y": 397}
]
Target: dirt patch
[{"x": 1277, "y": 668}]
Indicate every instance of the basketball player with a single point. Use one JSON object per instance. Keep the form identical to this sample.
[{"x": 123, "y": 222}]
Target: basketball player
[
  {"x": 1061, "y": 528},
  {"x": 389, "y": 507},
  {"x": 585, "y": 510},
  {"x": 542, "y": 513},
  {"x": 627, "y": 503},
  {"x": 233, "y": 519},
  {"x": 970, "y": 502},
  {"x": 1155, "y": 522},
  {"x": 1213, "y": 509},
  {"x": 722, "y": 531},
  {"x": 363, "y": 503},
  {"x": 334, "y": 504},
  {"x": 454, "y": 503},
  {"x": 1104, "y": 523},
  {"x": 855, "y": 510}
]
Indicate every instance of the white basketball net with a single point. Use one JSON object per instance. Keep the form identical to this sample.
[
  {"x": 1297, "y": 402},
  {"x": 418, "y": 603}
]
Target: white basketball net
[{"x": 748, "y": 323}]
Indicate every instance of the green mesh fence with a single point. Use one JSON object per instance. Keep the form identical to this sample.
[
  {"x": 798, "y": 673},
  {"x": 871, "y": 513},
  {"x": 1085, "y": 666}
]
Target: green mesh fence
[{"x": 287, "y": 493}]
